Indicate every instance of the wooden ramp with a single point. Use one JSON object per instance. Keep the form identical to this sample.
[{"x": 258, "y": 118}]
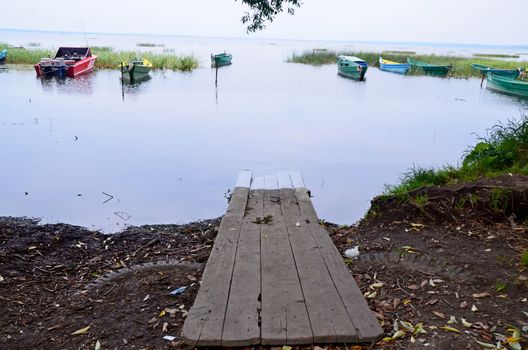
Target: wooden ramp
[{"x": 274, "y": 276}]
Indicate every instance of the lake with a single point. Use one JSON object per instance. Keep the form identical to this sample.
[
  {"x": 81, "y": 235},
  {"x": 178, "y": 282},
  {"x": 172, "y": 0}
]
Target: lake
[{"x": 167, "y": 150}]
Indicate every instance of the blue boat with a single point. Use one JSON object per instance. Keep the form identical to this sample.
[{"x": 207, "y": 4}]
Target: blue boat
[
  {"x": 394, "y": 67},
  {"x": 3, "y": 55}
]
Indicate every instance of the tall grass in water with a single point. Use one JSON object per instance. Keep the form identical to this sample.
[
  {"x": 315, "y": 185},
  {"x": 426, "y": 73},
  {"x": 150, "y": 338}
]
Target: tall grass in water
[
  {"x": 495, "y": 55},
  {"x": 18, "y": 55},
  {"x": 461, "y": 65},
  {"x": 150, "y": 45},
  {"x": 107, "y": 58},
  {"x": 503, "y": 150}
]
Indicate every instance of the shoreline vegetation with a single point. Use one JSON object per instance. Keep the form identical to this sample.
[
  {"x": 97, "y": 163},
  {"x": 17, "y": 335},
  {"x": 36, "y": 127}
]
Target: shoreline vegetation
[
  {"x": 461, "y": 65},
  {"x": 503, "y": 151},
  {"x": 107, "y": 57}
]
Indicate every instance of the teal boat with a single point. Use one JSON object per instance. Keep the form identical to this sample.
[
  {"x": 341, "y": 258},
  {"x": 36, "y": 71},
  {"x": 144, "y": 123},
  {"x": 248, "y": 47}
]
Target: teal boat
[
  {"x": 507, "y": 85},
  {"x": 428, "y": 68},
  {"x": 351, "y": 67},
  {"x": 135, "y": 70},
  {"x": 484, "y": 70},
  {"x": 221, "y": 59},
  {"x": 3, "y": 55}
]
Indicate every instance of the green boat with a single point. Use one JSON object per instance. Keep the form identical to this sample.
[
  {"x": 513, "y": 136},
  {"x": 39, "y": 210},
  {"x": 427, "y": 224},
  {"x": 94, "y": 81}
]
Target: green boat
[
  {"x": 135, "y": 70},
  {"x": 351, "y": 67},
  {"x": 507, "y": 85},
  {"x": 484, "y": 70},
  {"x": 221, "y": 59},
  {"x": 428, "y": 68}
]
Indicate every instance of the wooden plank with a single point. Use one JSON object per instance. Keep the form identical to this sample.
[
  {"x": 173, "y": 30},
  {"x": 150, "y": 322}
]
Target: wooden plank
[
  {"x": 257, "y": 183},
  {"x": 271, "y": 182},
  {"x": 244, "y": 179},
  {"x": 297, "y": 179},
  {"x": 204, "y": 323},
  {"x": 328, "y": 317},
  {"x": 284, "y": 315},
  {"x": 285, "y": 180},
  {"x": 242, "y": 320},
  {"x": 367, "y": 326}
]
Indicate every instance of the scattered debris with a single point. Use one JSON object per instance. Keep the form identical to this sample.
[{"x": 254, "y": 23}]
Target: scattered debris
[{"x": 178, "y": 291}]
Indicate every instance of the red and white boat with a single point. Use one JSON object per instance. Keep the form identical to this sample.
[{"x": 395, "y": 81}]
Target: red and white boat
[{"x": 68, "y": 61}]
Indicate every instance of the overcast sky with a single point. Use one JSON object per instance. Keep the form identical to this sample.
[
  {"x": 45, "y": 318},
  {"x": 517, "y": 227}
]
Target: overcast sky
[{"x": 457, "y": 21}]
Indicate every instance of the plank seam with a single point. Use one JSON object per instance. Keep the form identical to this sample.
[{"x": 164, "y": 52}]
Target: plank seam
[
  {"x": 233, "y": 268},
  {"x": 330, "y": 274},
  {"x": 298, "y": 277}
]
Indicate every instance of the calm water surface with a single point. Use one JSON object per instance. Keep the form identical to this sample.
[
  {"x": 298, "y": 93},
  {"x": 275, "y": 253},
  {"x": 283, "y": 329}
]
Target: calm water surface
[{"x": 168, "y": 149}]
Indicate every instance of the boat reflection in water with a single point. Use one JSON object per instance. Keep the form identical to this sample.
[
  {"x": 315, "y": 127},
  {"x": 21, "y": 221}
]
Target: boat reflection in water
[{"x": 80, "y": 85}]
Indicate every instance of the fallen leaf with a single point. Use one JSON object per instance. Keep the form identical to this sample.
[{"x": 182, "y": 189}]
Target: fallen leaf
[
  {"x": 413, "y": 287},
  {"x": 466, "y": 323},
  {"x": 398, "y": 334},
  {"x": 97, "y": 345},
  {"x": 450, "y": 329},
  {"x": 452, "y": 320},
  {"x": 286, "y": 347},
  {"x": 162, "y": 313},
  {"x": 164, "y": 328},
  {"x": 463, "y": 305},
  {"x": 146, "y": 298},
  {"x": 439, "y": 314},
  {"x": 406, "y": 325},
  {"x": 376, "y": 285},
  {"x": 486, "y": 345},
  {"x": 82, "y": 330},
  {"x": 481, "y": 295},
  {"x": 474, "y": 308}
]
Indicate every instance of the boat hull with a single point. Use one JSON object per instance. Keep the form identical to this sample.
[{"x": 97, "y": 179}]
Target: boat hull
[
  {"x": 428, "y": 68},
  {"x": 83, "y": 66},
  {"x": 507, "y": 85},
  {"x": 398, "y": 68},
  {"x": 221, "y": 60},
  {"x": 68, "y": 62},
  {"x": 508, "y": 73},
  {"x": 3, "y": 55},
  {"x": 136, "y": 73},
  {"x": 351, "y": 67}
]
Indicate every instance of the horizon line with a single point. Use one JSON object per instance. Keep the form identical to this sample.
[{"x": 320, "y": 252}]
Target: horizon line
[{"x": 419, "y": 43}]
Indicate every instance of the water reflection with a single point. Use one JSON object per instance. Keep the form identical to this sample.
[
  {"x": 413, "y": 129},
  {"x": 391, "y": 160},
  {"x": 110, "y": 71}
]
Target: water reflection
[
  {"x": 82, "y": 84},
  {"x": 169, "y": 153}
]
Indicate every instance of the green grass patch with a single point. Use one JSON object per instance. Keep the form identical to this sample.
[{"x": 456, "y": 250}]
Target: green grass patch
[
  {"x": 461, "y": 65},
  {"x": 107, "y": 58},
  {"x": 495, "y": 55},
  {"x": 503, "y": 150}
]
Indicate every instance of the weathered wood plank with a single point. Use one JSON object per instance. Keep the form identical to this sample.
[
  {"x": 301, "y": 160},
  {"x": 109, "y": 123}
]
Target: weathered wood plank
[
  {"x": 244, "y": 179},
  {"x": 297, "y": 179},
  {"x": 328, "y": 317},
  {"x": 257, "y": 183},
  {"x": 204, "y": 323},
  {"x": 284, "y": 315},
  {"x": 367, "y": 326},
  {"x": 242, "y": 320},
  {"x": 285, "y": 180},
  {"x": 271, "y": 182}
]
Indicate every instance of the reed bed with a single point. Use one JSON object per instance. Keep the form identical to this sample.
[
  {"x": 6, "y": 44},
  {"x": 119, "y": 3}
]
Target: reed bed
[
  {"x": 399, "y": 52},
  {"x": 495, "y": 55},
  {"x": 150, "y": 45},
  {"x": 461, "y": 65},
  {"x": 107, "y": 58}
]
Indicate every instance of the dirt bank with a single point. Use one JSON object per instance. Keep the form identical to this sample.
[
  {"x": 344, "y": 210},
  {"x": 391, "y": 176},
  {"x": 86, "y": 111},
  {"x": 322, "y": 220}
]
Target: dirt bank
[{"x": 414, "y": 266}]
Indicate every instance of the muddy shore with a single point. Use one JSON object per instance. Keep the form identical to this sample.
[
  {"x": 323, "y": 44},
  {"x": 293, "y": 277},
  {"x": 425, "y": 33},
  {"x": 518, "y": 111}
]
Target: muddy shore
[{"x": 66, "y": 287}]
